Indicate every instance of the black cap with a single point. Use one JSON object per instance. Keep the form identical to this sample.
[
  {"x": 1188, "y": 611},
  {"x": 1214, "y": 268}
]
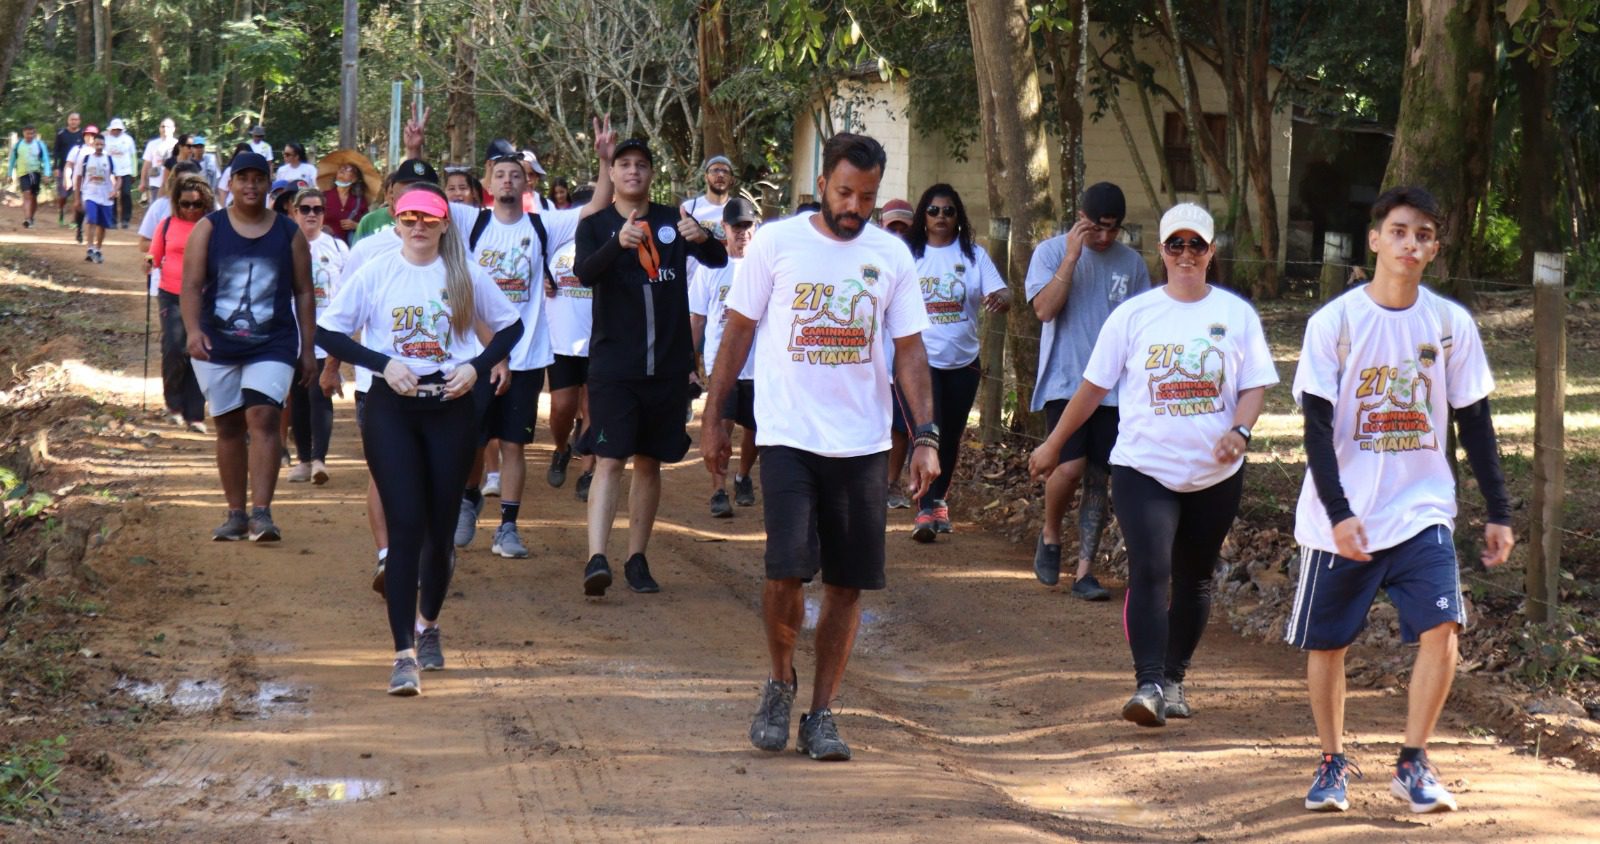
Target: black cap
[
  {"x": 1103, "y": 199},
  {"x": 500, "y": 148},
  {"x": 415, "y": 170},
  {"x": 249, "y": 161},
  {"x": 634, "y": 144},
  {"x": 740, "y": 210}
]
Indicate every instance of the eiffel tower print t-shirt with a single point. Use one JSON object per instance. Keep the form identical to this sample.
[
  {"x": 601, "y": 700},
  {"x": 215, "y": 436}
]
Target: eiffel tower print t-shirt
[
  {"x": 827, "y": 311},
  {"x": 247, "y": 311}
]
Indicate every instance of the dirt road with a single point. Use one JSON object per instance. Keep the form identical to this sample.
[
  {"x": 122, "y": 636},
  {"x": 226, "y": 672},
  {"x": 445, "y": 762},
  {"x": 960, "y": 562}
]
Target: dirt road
[{"x": 981, "y": 706}]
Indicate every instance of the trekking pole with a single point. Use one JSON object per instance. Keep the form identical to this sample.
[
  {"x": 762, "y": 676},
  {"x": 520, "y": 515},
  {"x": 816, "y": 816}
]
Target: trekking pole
[{"x": 144, "y": 383}]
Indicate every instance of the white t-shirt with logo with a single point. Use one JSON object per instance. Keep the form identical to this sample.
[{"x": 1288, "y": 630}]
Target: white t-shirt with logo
[
  {"x": 328, "y": 254},
  {"x": 708, "y": 297},
  {"x": 95, "y": 176},
  {"x": 512, "y": 255},
  {"x": 402, "y": 310},
  {"x": 261, "y": 148},
  {"x": 825, "y": 311},
  {"x": 709, "y": 214},
  {"x": 572, "y": 310},
  {"x": 1391, "y": 401},
  {"x": 953, "y": 288},
  {"x": 156, "y": 154},
  {"x": 302, "y": 172},
  {"x": 123, "y": 151},
  {"x": 1178, "y": 368},
  {"x": 368, "y": 249}
]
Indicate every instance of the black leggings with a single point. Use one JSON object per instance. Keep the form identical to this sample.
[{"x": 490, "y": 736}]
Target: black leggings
[
  {"x": 179, "y": 385},
  {"x": 311, "y": 414},
  {"x": 1170, "y": 536},
  {"x": 419, "y": 452},
  {"x": 954, "y": 390}
]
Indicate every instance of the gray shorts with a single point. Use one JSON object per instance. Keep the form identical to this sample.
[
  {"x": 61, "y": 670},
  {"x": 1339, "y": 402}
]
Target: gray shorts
[{"x": 224, "y": 384}]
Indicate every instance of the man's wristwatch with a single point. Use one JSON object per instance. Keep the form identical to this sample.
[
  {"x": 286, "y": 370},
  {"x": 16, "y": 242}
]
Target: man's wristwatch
[
  {"x": 927, "y": 435},
  {"x": 1243, "y": 432}
]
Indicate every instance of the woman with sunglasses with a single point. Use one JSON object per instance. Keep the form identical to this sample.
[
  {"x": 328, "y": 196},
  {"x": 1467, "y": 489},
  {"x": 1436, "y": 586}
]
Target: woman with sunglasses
[
  {"x": 1191, "y": 367},
  {"x": 957, "y": 279},
  {"x": 417, "y": 309},
  {"x": 310, "y": 408},
  {"x": 295, "y": 168},
  {"x": 186, "y": 405}
]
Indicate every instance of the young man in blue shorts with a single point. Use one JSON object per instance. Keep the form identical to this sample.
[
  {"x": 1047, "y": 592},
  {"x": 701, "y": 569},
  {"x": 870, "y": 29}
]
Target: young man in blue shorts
[{"x": 1381, "y": 369}]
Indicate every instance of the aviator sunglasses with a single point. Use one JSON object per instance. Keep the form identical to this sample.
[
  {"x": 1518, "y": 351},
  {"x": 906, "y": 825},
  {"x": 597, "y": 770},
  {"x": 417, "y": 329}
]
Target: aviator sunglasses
[{"x": 1175, "y": 245}]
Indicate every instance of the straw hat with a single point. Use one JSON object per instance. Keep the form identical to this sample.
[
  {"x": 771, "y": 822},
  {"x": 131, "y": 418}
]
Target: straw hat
[{"x": 329, "y": 166}]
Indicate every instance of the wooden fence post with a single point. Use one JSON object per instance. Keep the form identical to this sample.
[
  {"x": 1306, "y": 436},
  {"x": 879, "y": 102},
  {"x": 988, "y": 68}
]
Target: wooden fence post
[
  {"x": 992, "y": 358},
  {"x": 1549, "y": 433}
]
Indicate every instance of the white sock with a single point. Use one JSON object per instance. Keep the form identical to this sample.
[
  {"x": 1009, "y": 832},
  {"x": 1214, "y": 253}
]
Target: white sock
[
  {"x": 383, "y": 554},
  {"x": 408, "y": 653}
]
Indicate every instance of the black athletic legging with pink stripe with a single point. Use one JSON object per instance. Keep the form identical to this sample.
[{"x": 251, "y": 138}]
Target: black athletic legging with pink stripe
[{"x": 1173, "y": 539}]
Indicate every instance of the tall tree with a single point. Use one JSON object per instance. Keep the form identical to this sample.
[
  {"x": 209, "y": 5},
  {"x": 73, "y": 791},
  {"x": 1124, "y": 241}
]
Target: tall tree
[
  {"x": 713, "y": 34},
  {"x": 20, "y": 13},
  {"x": 1443, "y": 138}
]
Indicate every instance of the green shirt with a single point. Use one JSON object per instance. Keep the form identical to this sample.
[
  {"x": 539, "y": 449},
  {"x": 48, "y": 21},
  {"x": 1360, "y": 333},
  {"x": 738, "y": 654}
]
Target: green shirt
[{"x": 376, "y": 220}]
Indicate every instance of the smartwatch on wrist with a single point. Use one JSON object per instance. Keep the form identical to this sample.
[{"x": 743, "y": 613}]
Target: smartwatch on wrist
[
  {"x": 1243, "y": 432},
  {"x": 927, "y": 435}
]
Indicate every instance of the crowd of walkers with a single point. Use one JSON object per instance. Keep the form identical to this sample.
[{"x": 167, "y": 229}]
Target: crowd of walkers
[{"x": 842, "y": 344}]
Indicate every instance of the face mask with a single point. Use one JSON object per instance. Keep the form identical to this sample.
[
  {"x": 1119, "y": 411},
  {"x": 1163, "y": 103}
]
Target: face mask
[{"x": 342, "y": 183}]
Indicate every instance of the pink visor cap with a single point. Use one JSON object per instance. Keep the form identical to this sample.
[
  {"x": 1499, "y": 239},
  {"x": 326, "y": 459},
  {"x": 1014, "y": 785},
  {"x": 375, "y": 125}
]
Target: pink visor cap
[{"x": 425, "y": 201}]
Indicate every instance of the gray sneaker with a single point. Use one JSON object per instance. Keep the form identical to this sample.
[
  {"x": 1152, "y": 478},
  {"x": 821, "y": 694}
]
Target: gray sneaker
[
  {"x": 429, "y": 654},
  {"x": 237, "y": 527},
  {"x": 898, "y": 500},
  {"x": 467, "y": 522},
  {"x": 405, "y": 680},
  {"x": 721, "y": 508},
  {"x": 819, "y": 738},
  {"x": 507, "y": 543},
  {"x": 1047, "y": 562},
  {"x": 1177, "y": 703},
  {"x": 582, "y": 490},
  {"x": 770, "y": 728},
  {"x": 557, "y": 475},
  {"x": 1147, "y": 707},
  {"x": 744, "y": 491},
  {"x": 261, "y": 527}
]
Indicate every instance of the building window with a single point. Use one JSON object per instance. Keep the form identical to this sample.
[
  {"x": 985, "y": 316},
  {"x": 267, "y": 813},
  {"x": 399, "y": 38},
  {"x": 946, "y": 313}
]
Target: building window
[{"x": 1181, "y": 156}]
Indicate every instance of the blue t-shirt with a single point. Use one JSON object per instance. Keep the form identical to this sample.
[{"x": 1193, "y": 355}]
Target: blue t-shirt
[{"x": 248, "y": 296}]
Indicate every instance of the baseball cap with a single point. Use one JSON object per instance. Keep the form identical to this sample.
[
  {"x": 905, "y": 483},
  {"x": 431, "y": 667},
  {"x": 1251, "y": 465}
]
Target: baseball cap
[
  {"x": 634, "y": 144},
  {"x": 91, "y": 129},
  {"x": 528, "y": 156},
  {"x": 257, "y": 132},
  {"x": 716, "y": 159},
  {"x": 1103, "y": 199},
  {"x": 197, "y": 141},
  {"x": 740, "y": 210},
  {"x": 415, "y": 170},
  {"x": 1187, "y": 215},
  {"x": 116, "y": 123},
  {"x": 281, "y": 185},
  {"x": 897, "y": 211},
  {"x": 248, "y": 161},
  {"x": 500, "y": 148}
]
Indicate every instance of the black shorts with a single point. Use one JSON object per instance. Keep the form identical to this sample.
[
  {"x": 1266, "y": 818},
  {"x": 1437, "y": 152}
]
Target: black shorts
[
  {"x": 824, "y": 514},
  {"x": 900, "y": 423},
  {"x": 361, "y": 411},
  {"x": 512, "y": 416},
  {"x": 30, "y": 183},
  {"x": 643, "y": 416},
  {"x": 740, "y": 405},
  {"x": 568, "y": 371},
  {"x": 1093, "y": 440}
]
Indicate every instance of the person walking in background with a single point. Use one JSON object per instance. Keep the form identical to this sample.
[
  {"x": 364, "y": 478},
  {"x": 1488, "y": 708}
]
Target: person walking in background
[
  {"x": 310, "y": 408},
  {"x": 1074, "y": 282},
  {"x": 1192, "y": 367},
  {"x": 68, "y": 138},
  {"x": 258, "y": 142},
  {"x": 99, "y": 179},
  {"x": 191, "y": 200},
  {"x": 154, "y": 161},
  {"x": 30, "y": 165},
  {"x": 295, "y": 169},
  {"x": 120, "y": 146}
]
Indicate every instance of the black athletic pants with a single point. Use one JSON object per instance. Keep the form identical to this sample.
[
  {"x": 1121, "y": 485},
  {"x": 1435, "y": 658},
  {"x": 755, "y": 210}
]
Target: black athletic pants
[
  {"x": 1172, "y": 537},
  {"x": 179, "y": 385},
  {"x": 954, "y": 391},
  {"x": 311, "y": 414},
  {"x": 419, "y": 452}
]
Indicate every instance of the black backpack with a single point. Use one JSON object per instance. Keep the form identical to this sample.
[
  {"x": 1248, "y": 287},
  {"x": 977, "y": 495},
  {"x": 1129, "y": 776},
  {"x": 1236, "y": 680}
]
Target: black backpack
[{"x": 538, "y": 228}]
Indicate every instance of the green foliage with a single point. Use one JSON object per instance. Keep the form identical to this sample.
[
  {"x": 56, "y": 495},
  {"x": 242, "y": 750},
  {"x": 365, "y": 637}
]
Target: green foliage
[
  {"x": 28, "y": 774},
  {"x": 1557, "y": 657},
  {"x": 18, "y": 503},
  {"x": 1583, "y": 267},
  {"x": 1497, "y": 250}
]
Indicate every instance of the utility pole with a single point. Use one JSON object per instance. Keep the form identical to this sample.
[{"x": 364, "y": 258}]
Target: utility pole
[{"x": 347, "y": 76}]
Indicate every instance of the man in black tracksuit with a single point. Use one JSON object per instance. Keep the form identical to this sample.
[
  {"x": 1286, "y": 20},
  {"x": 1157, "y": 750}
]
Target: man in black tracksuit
[{"x": 641, "y": 353}]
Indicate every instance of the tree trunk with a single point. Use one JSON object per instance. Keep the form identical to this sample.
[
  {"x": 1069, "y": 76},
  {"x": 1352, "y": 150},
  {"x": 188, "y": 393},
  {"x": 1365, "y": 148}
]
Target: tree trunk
[
  {"x": 1066, "y": 72},
  {"x": 83, "y": 31},
  {"x": 461, "y": 120},
  {"x": 1017, "y": 165},
  {"x": 1442, "y": 140},
  {"x": 1258, "y": 156},
  {"x": 158, "y": 56},
  {"x": 102, "y": 52},
  {"x": 19, "y": 12},
  {"x": 243, "y": 91},
  {"x": 716, "y": 123},
  {"x": 1536, "y": 198}
]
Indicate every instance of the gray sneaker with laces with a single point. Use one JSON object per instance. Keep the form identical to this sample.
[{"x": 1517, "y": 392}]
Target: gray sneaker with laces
[
  {"x": 769, "y": 730},
  {"x": 261, "y": 527},
  {"x": 1177, "y": 703},
  {"x": 467, "y": 522},
  {"x": 237, "y": 527},
  {"x": 507, "y": 543},
  {"x": 406, "y": 679},
  {"x": 429, "y": 653},
  {"x": 819, "y": 738}
]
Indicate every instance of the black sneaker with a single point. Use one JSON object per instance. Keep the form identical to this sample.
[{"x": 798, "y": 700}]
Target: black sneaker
[
  {"x": 769, "y": 730},
  {"x": 721, "y": 507},
  {"x": 237, "y": 527},
  {"x": 261, "y": 527},
  {"x": 1089, "y": 589},
  {"x": 1177, "y": 703},
  {"x": 1047, "y": 562},
  {"x": 582, "y": 489},
  {"x": 88, "y": 256},
  {"x": 637, "y": 572},
  {"x": 558, "y": 467},
  {"x": 819, "y": 738},
  {"x": 1147, "y": 707},
  {"x": 596, "y": 576},
  {"x": 744, "y": 491},
  {"x": 430, "y": 655}
]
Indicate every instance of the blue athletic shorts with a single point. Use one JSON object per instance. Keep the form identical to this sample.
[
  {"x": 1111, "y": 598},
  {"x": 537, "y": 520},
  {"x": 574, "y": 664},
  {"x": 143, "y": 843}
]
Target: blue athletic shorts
[
  {"x": 96, "y": 214},
  {"x": 1334, "y": 594}
]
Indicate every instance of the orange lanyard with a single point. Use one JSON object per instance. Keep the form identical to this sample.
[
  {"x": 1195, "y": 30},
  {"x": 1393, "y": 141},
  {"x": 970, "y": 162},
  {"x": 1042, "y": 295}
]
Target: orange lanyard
[{"x": 649, "y": 256}]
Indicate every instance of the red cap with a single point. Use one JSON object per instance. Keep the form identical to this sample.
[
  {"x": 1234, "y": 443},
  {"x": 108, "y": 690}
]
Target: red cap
[{"x": 897, "y": 211}]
